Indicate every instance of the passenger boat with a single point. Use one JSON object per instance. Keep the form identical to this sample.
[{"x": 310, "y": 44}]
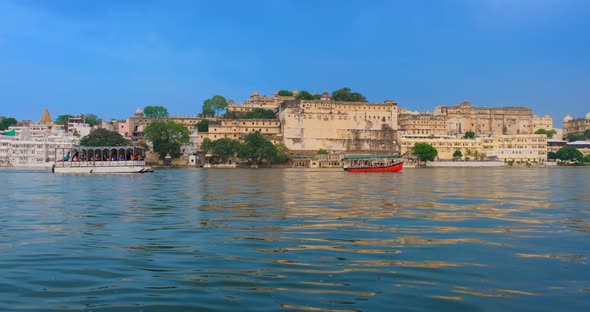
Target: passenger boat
[
  {"x": 100, "y": 159},
  {"x": 373, "y": 163}
]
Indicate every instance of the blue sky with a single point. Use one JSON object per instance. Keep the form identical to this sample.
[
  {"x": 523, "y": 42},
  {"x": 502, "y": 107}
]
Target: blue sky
[{"x": 109, "y": 57}]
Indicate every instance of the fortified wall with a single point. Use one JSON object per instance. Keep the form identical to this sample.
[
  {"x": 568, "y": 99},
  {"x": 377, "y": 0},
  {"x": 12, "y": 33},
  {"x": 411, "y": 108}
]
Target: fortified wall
[{"x": 339, "y": 126}]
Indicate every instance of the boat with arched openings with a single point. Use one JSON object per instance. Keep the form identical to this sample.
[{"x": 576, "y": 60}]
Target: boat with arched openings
[
  {"x": 373, "y": 163},
  {"x": 100, "y": 159}
]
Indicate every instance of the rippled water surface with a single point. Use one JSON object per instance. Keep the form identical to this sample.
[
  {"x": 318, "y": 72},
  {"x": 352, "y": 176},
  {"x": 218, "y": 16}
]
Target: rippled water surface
[{"x": 293, "y": 240}]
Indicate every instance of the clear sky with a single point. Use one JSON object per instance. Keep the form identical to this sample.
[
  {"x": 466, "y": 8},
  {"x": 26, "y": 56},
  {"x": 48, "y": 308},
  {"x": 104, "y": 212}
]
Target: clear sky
[{"x": 109, "y": 57}]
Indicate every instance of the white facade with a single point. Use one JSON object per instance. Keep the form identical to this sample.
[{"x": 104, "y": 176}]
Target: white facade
[{"x": 33, "y": 146}]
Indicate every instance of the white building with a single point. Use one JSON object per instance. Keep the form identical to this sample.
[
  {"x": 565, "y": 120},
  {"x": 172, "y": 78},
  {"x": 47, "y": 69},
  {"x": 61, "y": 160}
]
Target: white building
[{"x": 33, "y": 146}]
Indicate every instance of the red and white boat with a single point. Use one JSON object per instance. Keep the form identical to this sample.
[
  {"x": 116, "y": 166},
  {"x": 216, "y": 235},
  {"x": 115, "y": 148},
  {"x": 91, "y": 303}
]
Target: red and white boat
[{"x": 373, "y": 163}]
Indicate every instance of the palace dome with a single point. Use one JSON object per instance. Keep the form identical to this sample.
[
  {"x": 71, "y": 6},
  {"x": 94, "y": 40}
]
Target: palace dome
[
  {"x": 588, "y": 116},
  {"x": 567, "y": 118},
  {"x": 139, "y": 112}
]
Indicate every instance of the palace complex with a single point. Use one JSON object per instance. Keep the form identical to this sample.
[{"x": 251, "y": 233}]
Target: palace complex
[
  {"x": 462, "y": 118},
  {"x": 576, "y": 126},
  {"x": 306, "y": 126}
]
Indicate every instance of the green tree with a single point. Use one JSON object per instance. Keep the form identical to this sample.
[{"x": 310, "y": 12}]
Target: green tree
[
  {"x": 203, "y": 125},
  {"x": 225, "y": 148},
  {"x": 344, "y": 95},
  {"x": 92, "y": 120},
  {"x": 104, "y": 137},
  {"x": 322, "y": 151},
  {"x": 282, "y": 153},
  {"x": 155, "y": 112},
  {"x": 457, "y": 154},
  {"x": 207, "y": 145},
  {"x": 424, "y": 152},
  {"x": 261, "y": 113},
  {"x": 285, "y": 93},
  {"x": 257, "y": 149},
  {"x": 167, "y": 137},
  {"x": 215, "y": 104},
  {"x": 7, "y": 122},
  {"x": 569, "y": 153},
  {"x": 305, "y": 96},
  {"x": 549, "y": 133},
  {"x": 587, "y": 134},
  {"x": 586, "y": 158},
  {"x": 207, "y": 109},
  {"x": 63, "y": 119},
  {"x": 256, "y": 113},
  {"x": 574, "y": 137},
  {"x": 551, "y": 155},
  {"x": 469, "y": 135}
]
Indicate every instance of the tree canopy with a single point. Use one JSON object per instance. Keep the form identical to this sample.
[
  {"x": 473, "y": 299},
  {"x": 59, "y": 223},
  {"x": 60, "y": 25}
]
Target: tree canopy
[
  {"x": 63, "y": 119},
  {"x": 285, "y": 93},
  {"x": 345, "y": 95},
  {"x": 586, "y": 158},
  {"x": 458, "y": 154},
  {"x": 587, "y": 134},
  {"x": 549, "y": 133},
  {"x": 167, "y": 137},
  {"x": 469, "y": 135},
  {"x": 7, "y": 122},
  {"x": 214, "y": 105},
  {"x": 92, "y": 120},
  {"x": 257, "y": 149},
  {"x": 104, "y": 137},
  {"x": 224, "y": 148},
  {"x": 203, "y": 125},
  {"x": 569, "y": 153},
  {"x": 256, "y": 113},
  {"x": 574, "y": 137},
  {"x": 306, "y": 96},
  {"x": 155, "y": 112},
  {"x": 425, "y": 152}
]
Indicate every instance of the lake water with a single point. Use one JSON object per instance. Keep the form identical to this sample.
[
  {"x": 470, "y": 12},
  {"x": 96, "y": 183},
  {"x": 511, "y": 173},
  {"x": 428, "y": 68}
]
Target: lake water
[{"x": 296, "y": 240}]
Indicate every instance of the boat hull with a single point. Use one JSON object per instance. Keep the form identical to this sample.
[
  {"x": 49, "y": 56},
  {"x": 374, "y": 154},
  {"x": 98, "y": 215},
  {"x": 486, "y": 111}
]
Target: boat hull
[
  {"x": 393, "y": 168},
  {"x": 101, "y": 167}
]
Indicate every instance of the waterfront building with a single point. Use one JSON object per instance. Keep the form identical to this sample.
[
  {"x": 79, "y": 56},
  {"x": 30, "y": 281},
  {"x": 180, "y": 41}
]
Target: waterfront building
[
  {"x": 33, "y": 145},
  {"x": 576, "y": 126},
  {"x": 237, "y": 129},
  {"x": 133, "y": 127},
  {"x": 554, "y": 145},
  {"x": 582, "y": 146},
  {"x": 492, "y": 121},
  {"x": 517, "y": 147},
  {"x": 445, "y": 145},
  {"x": 411, "y": 123},
  {"x": 338, "y": 126}
]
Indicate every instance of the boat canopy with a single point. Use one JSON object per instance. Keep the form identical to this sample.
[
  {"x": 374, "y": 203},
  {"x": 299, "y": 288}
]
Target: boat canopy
[{"x": 372, "y": 156}]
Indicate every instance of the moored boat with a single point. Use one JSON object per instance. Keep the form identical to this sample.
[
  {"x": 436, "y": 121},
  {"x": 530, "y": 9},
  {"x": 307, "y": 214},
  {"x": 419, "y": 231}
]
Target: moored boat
[
  {"x": 373, "y": 163},
  {"x": 100, "y": 159}
]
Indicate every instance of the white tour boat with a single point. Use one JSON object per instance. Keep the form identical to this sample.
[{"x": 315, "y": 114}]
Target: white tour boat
[{"x": 100, "y": 159}]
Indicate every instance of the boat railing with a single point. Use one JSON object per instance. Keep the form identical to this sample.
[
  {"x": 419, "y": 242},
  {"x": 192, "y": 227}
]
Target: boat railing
[{"x": 100, "y": 163}]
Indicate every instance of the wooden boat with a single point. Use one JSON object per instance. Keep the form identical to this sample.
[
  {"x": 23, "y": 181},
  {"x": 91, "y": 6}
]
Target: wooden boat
[
  {"x": 373, "y": 163},
  {"x": 100, "y": 159}
]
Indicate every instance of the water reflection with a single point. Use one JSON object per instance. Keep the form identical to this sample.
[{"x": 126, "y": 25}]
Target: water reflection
[{"x": 312, "y": 240}]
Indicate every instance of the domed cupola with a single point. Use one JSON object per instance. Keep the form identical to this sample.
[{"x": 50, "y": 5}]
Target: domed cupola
[
  {"x": 139, "y": 112},
  {"x": 588, "y": 116},
  {"x": 568, "y": 118}
]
